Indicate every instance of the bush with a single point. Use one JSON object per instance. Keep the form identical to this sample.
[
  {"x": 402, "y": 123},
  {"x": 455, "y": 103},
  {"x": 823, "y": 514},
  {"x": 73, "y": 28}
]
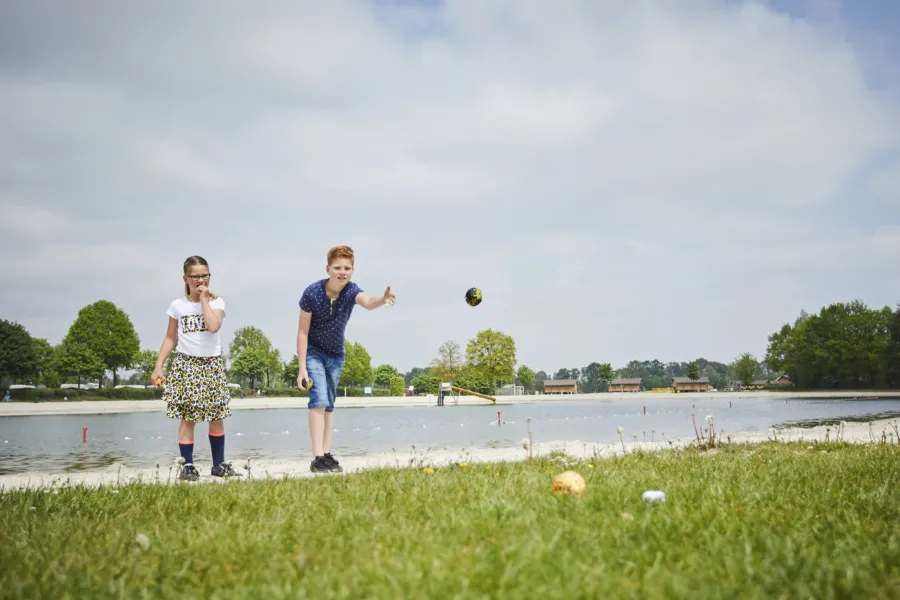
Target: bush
[
  {"x": 285, "y": 392},
  {"x": 50, "y": 394},
  {"x": 56, "y": 394},
  {"x": 358, "y": 392}
]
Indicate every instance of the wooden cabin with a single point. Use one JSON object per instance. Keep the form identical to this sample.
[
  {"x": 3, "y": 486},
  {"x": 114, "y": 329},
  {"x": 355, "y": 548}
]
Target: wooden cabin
[
  {"x": 686, "y": 384},
  {"x": 560, "y": 386},
  {"x": 782, "y": 380},
  {"x": 627, "y": 384}
]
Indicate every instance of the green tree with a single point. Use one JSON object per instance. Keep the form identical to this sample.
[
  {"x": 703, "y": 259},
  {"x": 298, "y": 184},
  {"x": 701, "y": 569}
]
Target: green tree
[
  {"x": 744, "y": 368},
  {"x": 145, "y": 363},
  {"x": 78, "y": 360},
  {"x": 448, "y": 362},
  {"x": 253, "y": 337},
  {"x": 415, "y": 372},
  {"x": 249, "y": 364},
  {"x": 467, "y": 378},
  {"x": 525, "y": 377},
  {"x": 357, "y": 365},
  {"x": 846, "y": 345},
  {"x": 596, "y": 377},
  {"x": 780, "y": 354},
  {"x": 384, "y": 374},
  {"x": 606, "y": 373},
  {"x": 564, "y": 374},
  {"x": 18, "y": 359},
  {"x": 274, "y": 367},
  {"x": 397, "y": 385},
  {"x": 290, "y": 372},
  {"x": 492, "y": 357},
  {"x": 467, "y": 381},
  {"x": 539, "y": 378},
  {"x": 893, "y": 369},
  {"x": 693, "y": 370},
  {"x": 107, "y": 331},
  {"x": 426, "y": 384},
  {"x": 44, "y": 373}
]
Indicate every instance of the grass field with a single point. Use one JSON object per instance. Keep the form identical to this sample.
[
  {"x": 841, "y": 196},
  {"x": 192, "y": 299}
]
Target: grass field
[{"x": 751, "y": 521}]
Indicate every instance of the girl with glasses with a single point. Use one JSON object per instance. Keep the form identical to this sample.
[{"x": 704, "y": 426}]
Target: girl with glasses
[{"x": 197, "y": 388}]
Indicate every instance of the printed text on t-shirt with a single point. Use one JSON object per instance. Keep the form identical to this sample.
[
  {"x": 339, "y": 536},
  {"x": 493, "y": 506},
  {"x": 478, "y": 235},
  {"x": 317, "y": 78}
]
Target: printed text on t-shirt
[{"x": 193, "y": 323}]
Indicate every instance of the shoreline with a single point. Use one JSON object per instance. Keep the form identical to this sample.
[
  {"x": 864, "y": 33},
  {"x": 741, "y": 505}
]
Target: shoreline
[
  {"x": 94, "y": 407},
  {"x": 115, "y": 475}
]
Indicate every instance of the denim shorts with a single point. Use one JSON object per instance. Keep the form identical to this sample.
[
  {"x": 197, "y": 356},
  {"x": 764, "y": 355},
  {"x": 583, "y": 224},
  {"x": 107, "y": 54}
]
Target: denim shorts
[{"x": 325, "y": 371}]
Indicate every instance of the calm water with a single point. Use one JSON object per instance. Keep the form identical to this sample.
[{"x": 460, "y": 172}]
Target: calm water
[{"x": 53, "y": 443}]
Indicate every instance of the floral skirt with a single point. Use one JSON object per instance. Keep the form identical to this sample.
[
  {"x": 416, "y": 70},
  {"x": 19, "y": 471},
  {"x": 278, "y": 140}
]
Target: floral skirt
[{"x": 197, "y": 389}]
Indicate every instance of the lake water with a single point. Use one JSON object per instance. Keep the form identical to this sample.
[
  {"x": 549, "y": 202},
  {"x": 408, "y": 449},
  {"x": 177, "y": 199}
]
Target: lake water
[{"x": 54, "y": 443}]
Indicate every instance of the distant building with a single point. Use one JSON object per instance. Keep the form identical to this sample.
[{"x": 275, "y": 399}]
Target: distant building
[
  {"x": 782, "y": 380},
  {"x": 686, "y": 384},
  {"x": 627, "y": 384},
  {"x": 560, "y": 386},
  {"x": 511, "y": 390}
]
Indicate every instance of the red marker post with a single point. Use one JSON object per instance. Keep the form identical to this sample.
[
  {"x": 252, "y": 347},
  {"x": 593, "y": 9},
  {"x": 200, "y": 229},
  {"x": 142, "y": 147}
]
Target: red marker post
[
  {"x": 498, "y": 417},
  {"x": 84, "y": 434}
]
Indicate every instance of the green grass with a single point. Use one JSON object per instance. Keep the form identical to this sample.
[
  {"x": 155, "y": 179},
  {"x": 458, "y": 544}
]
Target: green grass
[{"x": 769, "y": 521}]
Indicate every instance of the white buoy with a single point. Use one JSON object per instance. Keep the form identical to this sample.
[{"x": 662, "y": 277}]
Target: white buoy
[{"x": 654, "y": 496}]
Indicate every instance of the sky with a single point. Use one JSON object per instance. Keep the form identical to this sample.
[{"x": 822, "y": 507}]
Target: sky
[{"x": 623, "y": 180}]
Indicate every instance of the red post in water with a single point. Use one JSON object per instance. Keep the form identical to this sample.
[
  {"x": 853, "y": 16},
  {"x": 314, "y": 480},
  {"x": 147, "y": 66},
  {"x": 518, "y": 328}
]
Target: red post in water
[
  {"x": 645, "y": 410},
  {"x": 498, "y": 417},
  {"x": 729, "y": 404},
  {"x": 84, "y": 434}
]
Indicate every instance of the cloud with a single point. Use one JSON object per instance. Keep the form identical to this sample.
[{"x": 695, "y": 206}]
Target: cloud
[{"x": 623, "y": 180}]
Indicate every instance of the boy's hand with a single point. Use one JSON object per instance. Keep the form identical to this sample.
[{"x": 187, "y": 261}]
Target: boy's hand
[
  {"x": 303, "y": 377},
  {"x": 389, "y": 296}
]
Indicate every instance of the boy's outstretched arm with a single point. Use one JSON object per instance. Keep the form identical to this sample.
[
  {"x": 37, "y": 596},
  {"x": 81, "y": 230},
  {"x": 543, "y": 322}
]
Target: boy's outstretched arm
[{"x": 372, "y": 302}]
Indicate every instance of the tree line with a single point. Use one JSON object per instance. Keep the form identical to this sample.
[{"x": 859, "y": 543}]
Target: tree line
[{"x": 845, "y": 345}]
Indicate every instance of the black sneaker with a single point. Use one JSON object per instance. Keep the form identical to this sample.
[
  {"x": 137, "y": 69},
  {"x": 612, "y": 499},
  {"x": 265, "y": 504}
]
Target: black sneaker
[
  {"x": 189, "y": 472},
  {"x": 224, "y": 470},
  {"x": 320, "y": 464},
  {"x": 333, "y": 463}
]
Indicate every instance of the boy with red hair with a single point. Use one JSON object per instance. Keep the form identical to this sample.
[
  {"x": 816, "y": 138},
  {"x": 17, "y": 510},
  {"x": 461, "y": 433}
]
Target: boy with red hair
[{"x": 325, "y": 309}]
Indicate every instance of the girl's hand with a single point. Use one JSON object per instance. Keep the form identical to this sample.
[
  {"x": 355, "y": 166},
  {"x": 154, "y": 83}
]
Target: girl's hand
[
  {"x": 204, "y": 292},
  {"x": 157, "y": 378}
]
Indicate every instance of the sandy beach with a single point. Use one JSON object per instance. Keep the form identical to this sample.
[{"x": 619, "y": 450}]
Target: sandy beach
[
  {"x": 21, "y": 409},
  {"x": 861, "y": 433}
]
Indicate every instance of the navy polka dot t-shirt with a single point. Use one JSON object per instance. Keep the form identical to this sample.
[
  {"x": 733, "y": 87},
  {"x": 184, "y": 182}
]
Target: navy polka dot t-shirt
[{"x": 329, "y": 317}]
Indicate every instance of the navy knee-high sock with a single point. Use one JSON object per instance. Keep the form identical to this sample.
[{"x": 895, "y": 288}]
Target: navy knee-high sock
[
  {"x": 187, "y": 450},
  {"x": 217, "y": 444}
]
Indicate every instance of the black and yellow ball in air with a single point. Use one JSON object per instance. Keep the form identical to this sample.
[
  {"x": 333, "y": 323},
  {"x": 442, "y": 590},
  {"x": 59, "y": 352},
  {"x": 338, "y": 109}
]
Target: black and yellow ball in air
[{"x": 473, "y": 297}]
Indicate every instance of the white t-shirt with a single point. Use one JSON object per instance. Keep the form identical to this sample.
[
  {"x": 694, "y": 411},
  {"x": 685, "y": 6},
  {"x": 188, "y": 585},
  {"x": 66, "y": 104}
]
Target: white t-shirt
[{"x": 193, "y": 337}]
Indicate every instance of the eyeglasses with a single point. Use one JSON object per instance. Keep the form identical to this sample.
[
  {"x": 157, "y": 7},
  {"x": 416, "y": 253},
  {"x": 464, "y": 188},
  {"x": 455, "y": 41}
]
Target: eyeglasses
[{"x": 198, "y": 277}]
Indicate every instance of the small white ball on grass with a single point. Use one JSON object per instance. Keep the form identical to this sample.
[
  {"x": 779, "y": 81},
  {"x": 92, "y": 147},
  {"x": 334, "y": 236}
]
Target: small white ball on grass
[{"x": 654, "y": 496}]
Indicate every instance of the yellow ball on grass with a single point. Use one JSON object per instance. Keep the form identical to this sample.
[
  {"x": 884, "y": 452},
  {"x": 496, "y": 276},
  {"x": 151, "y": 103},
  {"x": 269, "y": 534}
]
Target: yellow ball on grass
[{"x": 569, "y": 483}]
